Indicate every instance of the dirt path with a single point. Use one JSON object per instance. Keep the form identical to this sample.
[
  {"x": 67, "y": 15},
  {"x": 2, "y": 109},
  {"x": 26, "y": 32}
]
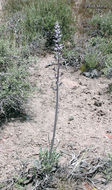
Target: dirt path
[{"x": 85, "y": 117}]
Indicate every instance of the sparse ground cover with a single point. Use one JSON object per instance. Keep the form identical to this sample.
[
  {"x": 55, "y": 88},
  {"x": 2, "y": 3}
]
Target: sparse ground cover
[{"x": 85, "y": 114}]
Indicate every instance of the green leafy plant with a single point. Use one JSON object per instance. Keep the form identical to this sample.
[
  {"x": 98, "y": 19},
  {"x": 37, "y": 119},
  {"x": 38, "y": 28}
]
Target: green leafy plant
[
  {"x": 103, "y": 45},
  {"x": 103, "y": 24},
  {"x": 5, "y": 58},
  {"x": 108, "y": 171},
  {"x": 46, "y": 165},
  {"x": 41, "y": 17},
  {"x": 110, "y": 87},
  {"x": 91, "y": 61},
  {"x": 14, "y": 85},
  {"x": 38, "y": 18},
  {"x": 71, "y": 57},
  {"x": 14, "y": 90},
  {"x": 19, "y": 181},
  {"x": 108, "y": 66},
  {"x": 12, "y": 6},
  {"x": 98, "y": 55}
]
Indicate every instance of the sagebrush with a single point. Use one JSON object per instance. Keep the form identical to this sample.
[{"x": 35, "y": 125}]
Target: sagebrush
[
  {"x": 14, "y": 91},
  {"x": 38, "y": 18},
  {"x": 102, "y": 24}
]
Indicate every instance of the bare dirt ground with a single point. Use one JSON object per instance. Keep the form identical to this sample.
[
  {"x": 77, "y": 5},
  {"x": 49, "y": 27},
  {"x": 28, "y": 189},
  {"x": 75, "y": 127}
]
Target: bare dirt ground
[{"x": 85, "y": 118}]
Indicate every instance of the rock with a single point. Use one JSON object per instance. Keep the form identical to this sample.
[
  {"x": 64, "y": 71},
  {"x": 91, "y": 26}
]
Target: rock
[
  {"x": 101, "y": 113},
  {"x": 71, "y": 118},
  {"x": 87, "y": 74},
  {"x": 93, "y": 74},
  {"x": 97, "y": 103}
]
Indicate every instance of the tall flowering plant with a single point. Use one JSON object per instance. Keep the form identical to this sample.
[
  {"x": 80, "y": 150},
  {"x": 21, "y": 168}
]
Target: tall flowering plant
[{"x": 58, "y": 49}]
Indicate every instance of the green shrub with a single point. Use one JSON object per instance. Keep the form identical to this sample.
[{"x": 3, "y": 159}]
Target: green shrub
[
  {"x": 12, "y": 6},
  {"x": 101, "y": 44},
  {"x": 42, "y": 16},
  {"x": 108, "y": 66},
  {"x": 107, "y": 172},
  {"x": 10, "y": 55},
  {"x": 71, "y": 57},
  {"x": 14, "y": 89},
  {"x": 97, "y": 41},
  {"x": 5, "y": 58},
  {"x": 91, "y": 61},
  {"x": 14, "y": 29},
  {"x": 38, "y": 19},
  {"x": 110, "y": 87},
  {"x": 98, "y": 55},
  {"x": 103, "y": 24}
]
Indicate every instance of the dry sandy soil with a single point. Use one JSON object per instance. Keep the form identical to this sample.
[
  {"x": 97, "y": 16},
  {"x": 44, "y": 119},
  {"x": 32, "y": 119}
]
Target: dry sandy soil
[{"x": 85, "y": 118}]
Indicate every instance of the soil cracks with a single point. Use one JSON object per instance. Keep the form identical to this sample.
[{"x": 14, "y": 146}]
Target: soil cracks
[{"x": 85, "y": 118}]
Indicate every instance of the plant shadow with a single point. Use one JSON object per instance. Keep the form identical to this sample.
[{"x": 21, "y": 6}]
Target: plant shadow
[{"x": 14, "y": 116}]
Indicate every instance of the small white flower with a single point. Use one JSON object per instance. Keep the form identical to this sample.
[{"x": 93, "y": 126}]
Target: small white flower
[{"x": 57, "y": 40}]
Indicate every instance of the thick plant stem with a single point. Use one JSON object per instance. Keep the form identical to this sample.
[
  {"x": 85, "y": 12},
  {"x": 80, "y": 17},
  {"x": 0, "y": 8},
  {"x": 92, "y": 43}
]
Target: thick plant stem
[{"x": 56, "y": 109}]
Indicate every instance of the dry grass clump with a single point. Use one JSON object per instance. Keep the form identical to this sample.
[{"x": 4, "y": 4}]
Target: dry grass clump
[{"x": 80, "y": 172}]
